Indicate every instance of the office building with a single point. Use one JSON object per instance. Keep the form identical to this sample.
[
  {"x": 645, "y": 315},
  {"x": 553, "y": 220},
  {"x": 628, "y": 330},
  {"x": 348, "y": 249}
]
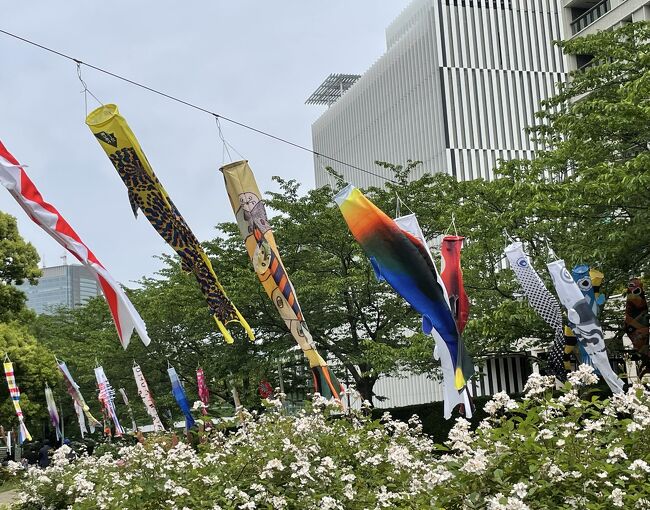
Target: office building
[
  {"x": 67, "y": 286},
  {"x": 584, "y": 17},
  {"x": 459, "y": 83}
]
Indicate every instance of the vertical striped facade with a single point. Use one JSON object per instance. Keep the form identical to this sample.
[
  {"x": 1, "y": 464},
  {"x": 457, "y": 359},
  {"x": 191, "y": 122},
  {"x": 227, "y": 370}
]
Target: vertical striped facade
[
  {"x": 458, "y": 84},
  {"x": 507, "y": 372}
]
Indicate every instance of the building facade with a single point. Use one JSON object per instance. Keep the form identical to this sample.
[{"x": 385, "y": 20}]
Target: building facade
[
  {"x": 459, "y": 83},
  {"x": 584, "y": 17},
  {"x": 67, "y": 286}
]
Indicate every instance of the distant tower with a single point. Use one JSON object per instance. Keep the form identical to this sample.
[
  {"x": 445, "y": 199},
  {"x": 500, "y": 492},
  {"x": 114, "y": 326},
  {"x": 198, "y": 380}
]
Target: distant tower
[{"x": 65, "y": 285}]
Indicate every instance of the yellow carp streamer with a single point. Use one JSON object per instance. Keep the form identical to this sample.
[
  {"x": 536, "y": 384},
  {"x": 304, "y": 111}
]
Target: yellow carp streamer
[{"x": 147, "y": 194}]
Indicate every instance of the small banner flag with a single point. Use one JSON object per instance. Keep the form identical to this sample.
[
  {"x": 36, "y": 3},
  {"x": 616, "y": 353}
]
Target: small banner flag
[
  {"x": 134, "y": 425},
  {"x": 181, "y": 399},
  {"x": 77, "y": 397},
  {"x": 14, "y": 392},
  {"x": 107, "y": 398},
  {"x": 452, "y": 397},
  {"x": 53, "y": 412},
  {"x": 147, "y": 398},
  {"x": 204, "y": 393}
]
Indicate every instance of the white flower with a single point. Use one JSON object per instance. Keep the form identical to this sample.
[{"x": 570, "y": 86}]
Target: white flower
[
  {"x": 616, "y": 454},
  {"x": 584, "y": 376},
  {"x": 617, "y": 497},
  {"x": 329, "y": 503},
  {"x": 537, "y": 384},
  {"x": 544, "y": 434},
  {"x": 460, "y": 437},
  {"x": 278, "y": 502},
  {"x": 273, "y": 464},
  {"x": 349, "y": 491},
  {"x": 520, "y": 490},
  {"x": 477, "y": 463},
  {"x": 436, "y": 476},
  {"x": 500, "y": 401},
  {"x": 570, "y": 399},
  {"x": 639, "y": 466},
  {"x": 327, "y": 463},
  {"x": 633, "y": 427},
  {"x": 555, "y": 473},
  {"x": 399, "y": 456},
  {"x": 348, "y": 477}
]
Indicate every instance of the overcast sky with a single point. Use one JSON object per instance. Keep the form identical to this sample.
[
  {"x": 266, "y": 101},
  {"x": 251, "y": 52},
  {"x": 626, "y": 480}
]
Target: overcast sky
[{"x": 254, "y": 61}]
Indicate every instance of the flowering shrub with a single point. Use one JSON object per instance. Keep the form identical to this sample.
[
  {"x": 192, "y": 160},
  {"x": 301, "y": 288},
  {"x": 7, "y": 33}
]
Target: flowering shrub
[{"x": 543, "y": 452}]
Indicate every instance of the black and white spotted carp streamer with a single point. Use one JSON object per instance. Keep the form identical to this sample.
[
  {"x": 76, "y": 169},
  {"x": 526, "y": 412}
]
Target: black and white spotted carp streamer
[
  {"x": 584, "y": 323},
  {"x": 542, "y": 301}
]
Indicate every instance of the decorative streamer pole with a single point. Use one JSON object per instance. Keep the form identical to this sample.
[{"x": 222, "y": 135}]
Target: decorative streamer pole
[
  {"x": 134, "y": 425},
  {"x": 204, "y": 393},
  {"x": 53, "y": 412},
  {"x": 80, "y": 404},
  {"x": 402, "y": 260},
  {"x": 452, "y": 397},
  {"x": 45, "y": 215},
  {"x": 14, "y": 392},
  {"x": 181, "y": 399},
  {"x": 107, "y": 398},
  {"x": 583, "y": 322},
  {"x": 147, "y": 194},
  {"x": 542, "y": 301},
  {"x": 452, "y": 276},
  {"x": 250, "y": 212},
  {"x": 147, "y": 398}
]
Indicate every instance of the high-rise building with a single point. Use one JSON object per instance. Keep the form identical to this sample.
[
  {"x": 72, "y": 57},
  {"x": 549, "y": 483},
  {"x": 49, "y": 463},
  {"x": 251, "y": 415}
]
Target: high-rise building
[
  {"x": 67, "y": 286},
  {"x": 459, "y": 83},
  {"x": 583, "y": 17}
]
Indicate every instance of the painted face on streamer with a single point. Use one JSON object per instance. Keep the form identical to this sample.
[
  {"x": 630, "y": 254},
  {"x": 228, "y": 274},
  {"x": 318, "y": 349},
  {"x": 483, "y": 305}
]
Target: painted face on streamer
[
  {"x": 581, "y": 276},
  {"x": 248, "y": 201},
  {"x": 635, "y": 289}
]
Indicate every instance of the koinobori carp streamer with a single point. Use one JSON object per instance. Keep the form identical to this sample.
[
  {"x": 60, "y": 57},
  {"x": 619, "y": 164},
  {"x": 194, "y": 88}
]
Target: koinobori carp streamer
[
  {"x": 400, "y": 259},
  {"x": 250, "y": 212},
  {"x": 147, "y": 194}
]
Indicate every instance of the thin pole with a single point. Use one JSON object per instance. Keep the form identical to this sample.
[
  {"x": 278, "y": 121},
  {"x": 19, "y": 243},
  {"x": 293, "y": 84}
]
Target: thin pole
[{"x": 62, "y": 424}]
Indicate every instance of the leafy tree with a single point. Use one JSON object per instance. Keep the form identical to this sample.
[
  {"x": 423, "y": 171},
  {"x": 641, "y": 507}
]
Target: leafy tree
[
  {"x": 33, "y": 367},
  {"x": 18, "y": 263},
  {"x": 32, "y": 362}
]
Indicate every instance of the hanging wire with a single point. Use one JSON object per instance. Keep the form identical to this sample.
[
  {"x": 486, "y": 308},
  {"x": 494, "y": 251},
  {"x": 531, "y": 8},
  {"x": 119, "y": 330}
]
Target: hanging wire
[
  {"x": 552, "y": 255},
  {"x": 452, "y": 224},
  {"x": 86, "y": 90},
  {"x": 196, "y": 107},
  {"x": 224, "y": 146},
  {"x": 401, "y": 202},
  {"x": 225, "y": 143}
]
